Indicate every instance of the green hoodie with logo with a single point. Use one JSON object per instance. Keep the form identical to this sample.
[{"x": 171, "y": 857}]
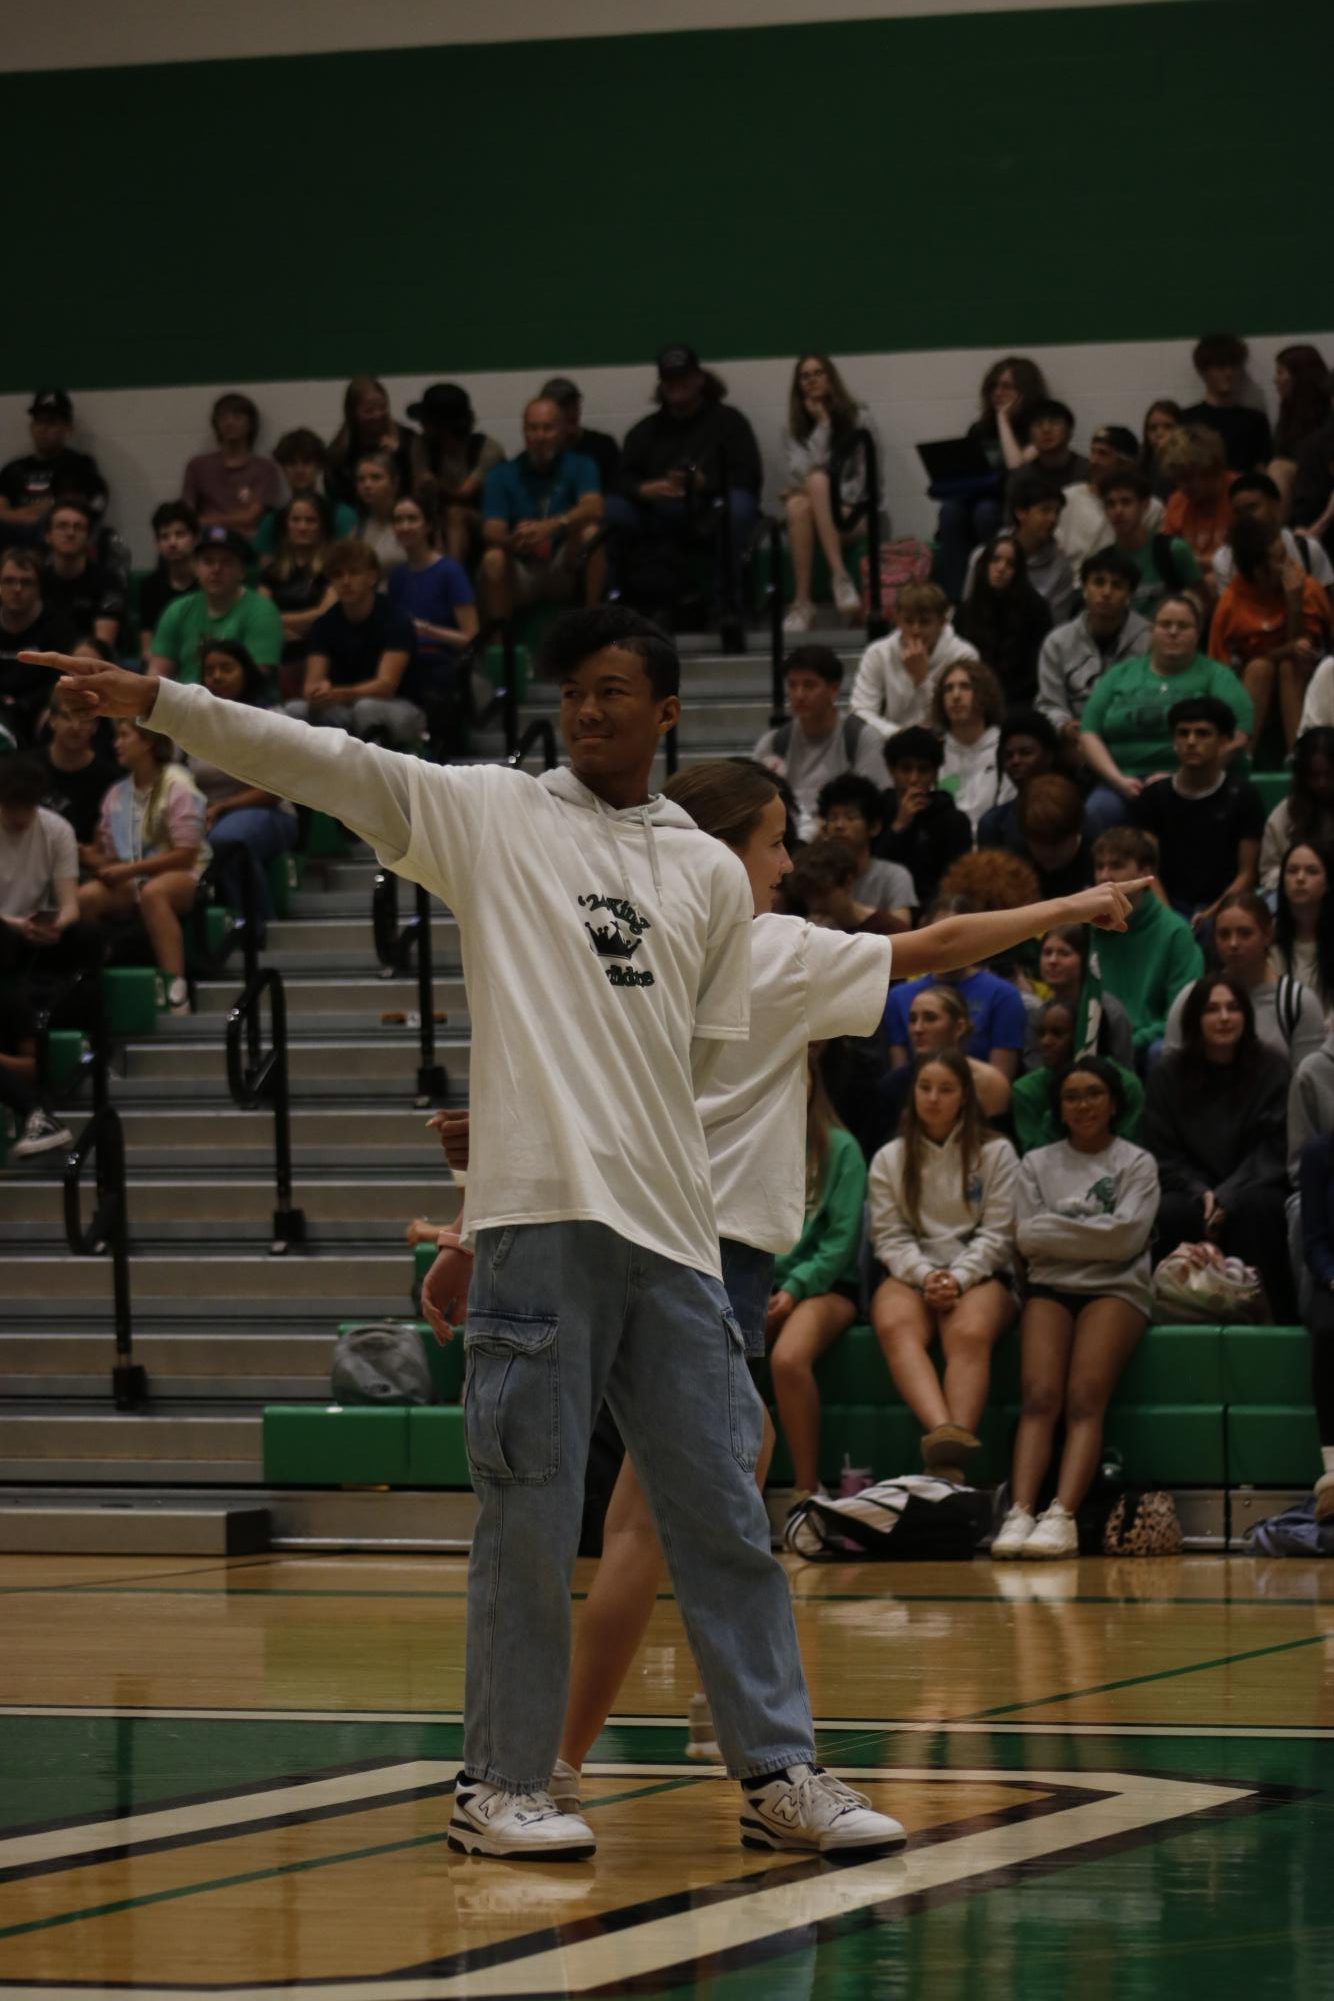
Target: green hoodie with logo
[{"x": 1148, "y": 964}]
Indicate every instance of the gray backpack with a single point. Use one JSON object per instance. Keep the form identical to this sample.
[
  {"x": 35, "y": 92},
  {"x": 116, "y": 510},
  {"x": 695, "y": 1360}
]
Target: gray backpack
[{"x": 381, "y": 1362}]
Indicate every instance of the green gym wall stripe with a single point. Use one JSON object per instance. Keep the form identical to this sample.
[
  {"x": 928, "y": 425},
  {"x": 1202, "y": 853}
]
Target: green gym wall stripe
[{"x": 1103, "y": 173}]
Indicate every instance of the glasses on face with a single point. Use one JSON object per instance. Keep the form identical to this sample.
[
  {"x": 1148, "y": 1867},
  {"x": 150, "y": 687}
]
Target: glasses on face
[
  {"x": 811, "y": 375},
  {"x": 1094, "y": 1095}
]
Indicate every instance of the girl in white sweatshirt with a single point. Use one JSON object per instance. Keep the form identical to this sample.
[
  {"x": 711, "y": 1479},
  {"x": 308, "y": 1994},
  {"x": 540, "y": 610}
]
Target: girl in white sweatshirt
[
  {"x": 942, "y": 1223},
  {"x": 1086, "y": 1213}
]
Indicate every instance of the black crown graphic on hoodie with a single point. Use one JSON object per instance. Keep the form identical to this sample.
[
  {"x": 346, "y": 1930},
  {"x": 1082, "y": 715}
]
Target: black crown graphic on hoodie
[{"x": 610, "y": 942}]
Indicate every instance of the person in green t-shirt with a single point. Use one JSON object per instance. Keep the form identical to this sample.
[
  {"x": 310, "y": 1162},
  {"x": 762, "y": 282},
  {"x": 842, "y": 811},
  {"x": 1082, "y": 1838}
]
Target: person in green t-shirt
[
  {"x": 222, "y": 608},
  {"x": 1165, "y": 563},
  {"x": 1124, "y": 734},
  {"x": 817, "y": 1284}
]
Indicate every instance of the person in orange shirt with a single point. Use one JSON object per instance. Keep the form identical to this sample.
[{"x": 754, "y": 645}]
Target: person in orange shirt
[
  {"x": 1200, "y": 510},
  {"x": 1272, "y": 624}
]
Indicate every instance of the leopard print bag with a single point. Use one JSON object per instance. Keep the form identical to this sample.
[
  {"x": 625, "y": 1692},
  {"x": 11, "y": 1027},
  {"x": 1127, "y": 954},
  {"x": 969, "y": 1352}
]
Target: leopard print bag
[{"x": 1143, "y": 1525}]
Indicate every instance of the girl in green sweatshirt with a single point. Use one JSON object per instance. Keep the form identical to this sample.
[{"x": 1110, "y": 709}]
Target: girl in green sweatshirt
[{"x": 817, "y": 1283}]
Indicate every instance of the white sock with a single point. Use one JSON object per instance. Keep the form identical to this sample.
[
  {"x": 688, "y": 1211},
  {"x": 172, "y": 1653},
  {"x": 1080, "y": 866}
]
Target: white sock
[{"x": 1327, "y": 1457}]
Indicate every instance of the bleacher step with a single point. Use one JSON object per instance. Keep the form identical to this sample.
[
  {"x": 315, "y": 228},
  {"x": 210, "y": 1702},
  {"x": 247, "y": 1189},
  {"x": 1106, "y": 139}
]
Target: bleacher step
[
  {"x": 130, "y": 1528},
  {"x": 207, "y": 1277},
  {"x": 341, "y": 1066},
  {"x": 186, "y": 1201},
  {"x": 159, "y": 1447}
]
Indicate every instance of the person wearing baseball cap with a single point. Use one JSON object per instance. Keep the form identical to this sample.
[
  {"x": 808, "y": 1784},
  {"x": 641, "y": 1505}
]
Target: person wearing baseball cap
[
  {"x": 690, "y": 452},
  {"x": 28, "y": 485},
  {"x": 449, "y": 463},
  {"x": 599, "y": 446},
  {"x": 222, "y": 608},
  {"x": 1083, "y": 527}
]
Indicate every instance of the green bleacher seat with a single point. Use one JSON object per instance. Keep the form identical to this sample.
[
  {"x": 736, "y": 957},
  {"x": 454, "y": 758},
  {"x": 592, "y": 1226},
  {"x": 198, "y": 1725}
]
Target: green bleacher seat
[
  {"x": 130, "y": 999},
  {"x": 1272, "y": 1444},
  {"x": 217, "y": 922},
  {"x": 1174, "y": 1365},
  {"x": 437, "y": 1451},
  {"x": 1273, "y": 787},
  {"x": 64, "y": 1054},
  {"x": 1169, "y": 1445},
  {"x": 334, "y": 1445},
  {"x": 1265, "y": 1365},
  {"x": 325, "y": 837}
]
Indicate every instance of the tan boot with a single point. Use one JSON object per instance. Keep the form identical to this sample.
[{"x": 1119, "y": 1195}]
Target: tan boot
[{"x": 945, "y": 1450}]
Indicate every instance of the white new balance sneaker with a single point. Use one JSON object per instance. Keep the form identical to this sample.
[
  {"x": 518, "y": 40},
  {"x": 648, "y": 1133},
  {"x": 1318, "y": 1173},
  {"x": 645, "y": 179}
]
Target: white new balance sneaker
[
  {"x": 1013, "y": 1533},
  {"x": 805, "y": 1808},
  {"x": 566, "y": 1786},
  {"x": 521, "y": 1826},
  {"x": 1054, "y": 1534}
]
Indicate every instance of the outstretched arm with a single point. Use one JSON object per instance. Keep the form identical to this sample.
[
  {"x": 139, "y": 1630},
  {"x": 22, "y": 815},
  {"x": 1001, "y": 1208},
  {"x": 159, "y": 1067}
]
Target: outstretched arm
[
  {"x": 366, "y": 787},
  {"x": 956, "y": 942}
]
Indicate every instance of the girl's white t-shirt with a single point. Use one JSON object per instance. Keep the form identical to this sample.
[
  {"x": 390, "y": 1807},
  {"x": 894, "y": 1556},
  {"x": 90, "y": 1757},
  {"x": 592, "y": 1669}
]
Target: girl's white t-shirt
[{"x": 807, "y": 984}]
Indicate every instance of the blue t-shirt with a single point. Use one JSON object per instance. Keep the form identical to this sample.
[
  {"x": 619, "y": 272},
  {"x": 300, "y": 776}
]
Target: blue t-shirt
[
  {"x": 516, "y": 492},
  {"x": 434, "y": 594},
  {"x": 995, "y": 1009}
]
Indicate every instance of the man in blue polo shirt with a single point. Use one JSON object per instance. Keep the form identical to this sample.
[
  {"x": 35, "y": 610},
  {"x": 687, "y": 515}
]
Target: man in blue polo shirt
[{"x": 539, "y": 510}]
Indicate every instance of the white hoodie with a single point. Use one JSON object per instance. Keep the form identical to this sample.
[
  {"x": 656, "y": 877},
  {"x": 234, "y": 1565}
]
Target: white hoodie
[
  {"x": 971, "y": 1237},
  {"x": 885, "y": 693},
  {"x": 597, "y": 946}
]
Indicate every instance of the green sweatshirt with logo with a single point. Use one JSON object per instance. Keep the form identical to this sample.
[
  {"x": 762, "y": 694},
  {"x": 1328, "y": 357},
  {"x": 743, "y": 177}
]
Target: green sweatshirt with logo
[
  {"x": 828, "y": 1251},
  {"x": 1147, "y": 965}
]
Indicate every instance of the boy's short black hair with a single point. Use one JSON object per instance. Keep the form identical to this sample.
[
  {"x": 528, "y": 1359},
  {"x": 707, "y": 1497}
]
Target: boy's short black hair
[
  {"x": 23, "y": 782},
  {"x": 1256, "y": 482},
  {"x": 1211, "y": 709},
  {"x": 1118, "y": 438},
  {"x": 1030, "y": 488},
  {"x": 1050, "y": 406},
  {"x": 1110, "y": 562},
  {"x": 917, "y": 743},
  {"x": 851, "y": 789},
  {"x": 577, "y": 635},
  {"x": 1220, "y": 350},
  {"x": 169, "y": 511},
  {"x": 1128, "y": 476},
  {"x": 821, "y": 660}
]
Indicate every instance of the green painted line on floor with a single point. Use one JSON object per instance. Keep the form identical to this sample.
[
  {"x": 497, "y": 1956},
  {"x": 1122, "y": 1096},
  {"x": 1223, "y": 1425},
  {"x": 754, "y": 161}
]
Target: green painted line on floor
[{"x": 1140, "y": 1680}]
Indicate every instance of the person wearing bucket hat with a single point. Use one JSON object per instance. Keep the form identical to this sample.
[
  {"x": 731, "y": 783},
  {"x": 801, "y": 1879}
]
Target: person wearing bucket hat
[
  {"x": 691, "y": 453},
  {"x": 28, "y": 485},
  {"x": 450, "y": 462},
  {"x": 222, "y": 608}
]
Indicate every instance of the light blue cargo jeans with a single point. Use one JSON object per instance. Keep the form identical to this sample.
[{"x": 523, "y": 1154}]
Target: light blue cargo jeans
[{"x": 561, "y": 1316}]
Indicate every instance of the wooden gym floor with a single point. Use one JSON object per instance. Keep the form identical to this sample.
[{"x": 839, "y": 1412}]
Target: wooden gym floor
[{"x": 230, "y": 1778}]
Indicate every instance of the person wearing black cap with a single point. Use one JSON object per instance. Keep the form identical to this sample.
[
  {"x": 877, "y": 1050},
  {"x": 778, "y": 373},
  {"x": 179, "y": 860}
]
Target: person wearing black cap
[
  {"x": 1083, "y": 526},
  {"x": 29, "y": 485},
  {"x": 450, "y": 461},
  {"x": 599, "y": 446},
  {"x": 222, "y": 608},
  {"x": 692, "y": 450}
]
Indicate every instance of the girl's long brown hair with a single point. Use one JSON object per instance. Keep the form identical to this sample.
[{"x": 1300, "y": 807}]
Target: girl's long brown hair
[
  {"x": 972, "y": 1132},
  {"x": 724, "y": 796},
  {"x": 821, "y": 1120},
  {"x": 842, "y": 408}
]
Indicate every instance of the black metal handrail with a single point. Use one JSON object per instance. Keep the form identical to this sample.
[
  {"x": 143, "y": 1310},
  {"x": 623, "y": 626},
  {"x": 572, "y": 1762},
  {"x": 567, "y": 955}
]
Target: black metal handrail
[
  {"x": 867, "y": 508},
  {"x": 394, "y": 946},
  {"x": 104, "y": 1140},
  {"x": 260, "y": 1080},
  {"x": 773, "y": 604},
  {"x": 81, "y": 1001},
  {"x": 538, "y": 731}
]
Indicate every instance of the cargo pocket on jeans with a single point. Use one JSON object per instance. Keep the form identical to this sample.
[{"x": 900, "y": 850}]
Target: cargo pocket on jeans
[
  {"x": 511, "y": 1398},
  {"x": 745, "y": 1411}
]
